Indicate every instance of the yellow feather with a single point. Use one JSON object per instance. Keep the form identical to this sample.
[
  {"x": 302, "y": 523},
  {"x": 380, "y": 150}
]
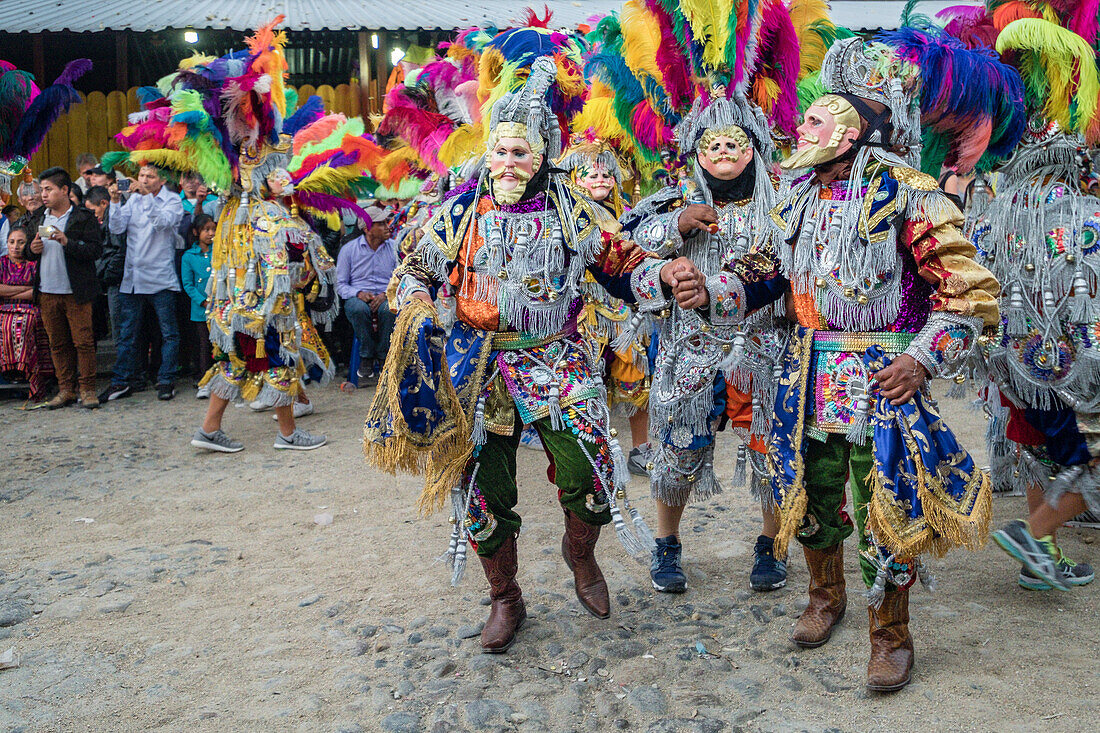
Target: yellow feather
[
  {"x": 196, "y": 59},
  {"x": 804, "y": 14},
  {"x": 462, "y": 144},
  {"x": 389, "y": 164},
  {"x": 708, "y": 19},
  {"x": 329, "y": 180},
  {"x": 162, "y": 158},
  {"x": 1068, "y": 67},
  {"x": 641, "y": 39}
]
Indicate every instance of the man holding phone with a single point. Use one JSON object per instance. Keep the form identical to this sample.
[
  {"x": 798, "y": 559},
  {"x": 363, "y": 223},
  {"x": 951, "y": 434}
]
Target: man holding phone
[
  {"x": 149, "y": 219},
  {"x": 67, "y": 243}
]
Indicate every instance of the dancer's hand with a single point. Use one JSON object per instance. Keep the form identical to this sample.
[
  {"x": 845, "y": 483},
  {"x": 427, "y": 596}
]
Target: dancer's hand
[
  {"x": 698, "y": 217},
  {"x": 421, "y": 295},
  {"x": 901, "y": 380},
  {"x": 687, "y": 282}
]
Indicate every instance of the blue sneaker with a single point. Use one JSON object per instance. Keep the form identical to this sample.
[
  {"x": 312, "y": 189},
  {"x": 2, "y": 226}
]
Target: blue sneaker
[
  {"x": 767, "y": 572},
  {"x": 665, "y": 571}
]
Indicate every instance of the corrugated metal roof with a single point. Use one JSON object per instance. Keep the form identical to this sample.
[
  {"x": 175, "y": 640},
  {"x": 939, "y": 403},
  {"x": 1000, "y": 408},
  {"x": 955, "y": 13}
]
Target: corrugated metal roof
[{"x": 36, "y": 16}]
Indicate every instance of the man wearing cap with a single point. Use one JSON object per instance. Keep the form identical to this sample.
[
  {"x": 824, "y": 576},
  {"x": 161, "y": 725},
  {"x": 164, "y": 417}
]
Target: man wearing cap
[{"x": 363, "y": 272}]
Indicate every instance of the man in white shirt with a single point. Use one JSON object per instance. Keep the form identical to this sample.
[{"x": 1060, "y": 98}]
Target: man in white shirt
[
  {"x": 66, "y": 243},
  {"x": 149, "y": 219}
]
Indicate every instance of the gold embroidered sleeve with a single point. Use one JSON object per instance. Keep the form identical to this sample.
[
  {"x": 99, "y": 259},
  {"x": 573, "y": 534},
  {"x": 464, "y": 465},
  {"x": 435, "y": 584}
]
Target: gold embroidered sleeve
[{"x": 946, "y": 259}]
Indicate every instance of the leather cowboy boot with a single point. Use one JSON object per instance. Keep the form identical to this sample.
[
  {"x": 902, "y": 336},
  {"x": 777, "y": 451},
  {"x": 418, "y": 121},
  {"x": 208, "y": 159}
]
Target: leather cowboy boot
[
  {"x": 578, "y": 546},
  {"x": 828, "y": 599},
  {"x": 507, "y": 612},
  {"x": 891, "y": 645}
]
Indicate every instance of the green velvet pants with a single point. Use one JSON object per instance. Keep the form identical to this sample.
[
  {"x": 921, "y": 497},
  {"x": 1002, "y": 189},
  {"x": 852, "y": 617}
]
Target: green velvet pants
[
  {"x": 829, "y": 466},
  {"x": 570, "y": 470}
]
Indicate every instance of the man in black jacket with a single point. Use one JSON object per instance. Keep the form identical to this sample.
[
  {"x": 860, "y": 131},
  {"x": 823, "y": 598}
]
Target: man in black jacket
[
  {"x": 112, "y": 257},
  {"x": 66, "y": 244}
]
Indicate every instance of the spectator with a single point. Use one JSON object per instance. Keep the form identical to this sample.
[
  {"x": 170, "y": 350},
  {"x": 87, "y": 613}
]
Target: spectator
[
  {"x": 85, "y": 162},
  {"x": 363, "y": 272},
  {"x": 149, "y": 220},
  {"x": 109, "y": 266},
  {"x": 195, "y": 274},
  {"x": 194, "y": 193},
  {"x": 30, "y": 198},
  {"x": 77, "y": 197},
  {"x": 24, "y": 346},
  {"x": 66, "y": 244},
  {"x": 98, "y": 177},
  {"x": 9, "y": 217},
  {"x": 98, "y": 200}
]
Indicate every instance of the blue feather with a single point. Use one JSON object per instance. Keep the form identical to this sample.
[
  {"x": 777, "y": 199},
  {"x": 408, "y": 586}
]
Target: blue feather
[
  {"x": 310, "y": 112},
  {"x": 148, "y": 95}
]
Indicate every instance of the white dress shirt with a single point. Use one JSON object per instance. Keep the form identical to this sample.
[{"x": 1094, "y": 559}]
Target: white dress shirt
[
  {"x": 149, "y": 223},
  {"x": 53, "y": 271}
]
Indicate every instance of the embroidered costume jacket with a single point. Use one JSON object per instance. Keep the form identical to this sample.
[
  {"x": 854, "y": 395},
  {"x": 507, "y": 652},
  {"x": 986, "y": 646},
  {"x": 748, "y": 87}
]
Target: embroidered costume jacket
[
  {"x": 271, "y": 281},
  {"x": 517, "y": 274},
  {"x": 899, "y": 277},
  {"x": 694, "y": 348},
  {"x": 1041, "y": 238}
]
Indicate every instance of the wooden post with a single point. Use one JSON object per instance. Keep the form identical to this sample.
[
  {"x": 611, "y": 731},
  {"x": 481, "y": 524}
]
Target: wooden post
[
  {"x": 122, "y": 61},
  {"x": 365, "y": 105}
]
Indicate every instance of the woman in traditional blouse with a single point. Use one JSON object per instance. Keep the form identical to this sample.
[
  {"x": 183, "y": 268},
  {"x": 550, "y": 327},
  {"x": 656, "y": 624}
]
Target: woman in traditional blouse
[{"x": 24, "y": 347}]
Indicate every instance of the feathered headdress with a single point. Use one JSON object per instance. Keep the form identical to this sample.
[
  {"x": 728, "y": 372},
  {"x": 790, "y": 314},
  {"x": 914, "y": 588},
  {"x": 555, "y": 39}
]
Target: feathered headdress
[
  {"x": 1059, "y": 73},
  {"x": 668, "y": 63},
  {"x": 532, "y": 77},
  {"x": 27, "y": 112},
  {"x": 210, "y": 111},
  {"x": 434, "y": 102},
  {"x": 330, "y": 157},
  {"x": 971, "y": 104}
]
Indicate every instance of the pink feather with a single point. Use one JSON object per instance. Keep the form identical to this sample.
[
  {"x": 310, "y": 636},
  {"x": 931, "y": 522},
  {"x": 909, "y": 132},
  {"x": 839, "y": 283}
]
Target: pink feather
[
  {"x": 671, "y": 60},
  {"x": 651, "y": 131}
]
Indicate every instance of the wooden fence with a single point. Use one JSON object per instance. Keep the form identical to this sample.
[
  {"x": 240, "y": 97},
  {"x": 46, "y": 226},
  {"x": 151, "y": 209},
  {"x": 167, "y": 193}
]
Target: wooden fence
[{"x": 90, "y": 127}]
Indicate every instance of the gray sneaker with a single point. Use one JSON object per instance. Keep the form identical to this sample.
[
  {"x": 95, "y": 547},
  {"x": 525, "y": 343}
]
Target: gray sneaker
[
  {"x": 1038, "y": 554},
  {"x": 299, "y": 440},
  {"x": 216, "y": 441}
]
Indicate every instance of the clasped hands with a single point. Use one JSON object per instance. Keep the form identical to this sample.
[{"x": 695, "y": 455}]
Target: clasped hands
[{"x": 689, "y": 285}]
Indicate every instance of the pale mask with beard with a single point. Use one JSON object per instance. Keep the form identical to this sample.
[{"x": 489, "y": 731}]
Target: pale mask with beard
[
  {"x": 829, "y": 128},
  {"x": 724, "y": 153},
  {"x": 279, "y": 183},
  {"x": 511, "y": 166},
  {"x": 598, "y": 181}
]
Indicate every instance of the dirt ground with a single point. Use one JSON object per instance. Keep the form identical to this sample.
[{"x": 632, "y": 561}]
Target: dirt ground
[{"x": 145, "y": 586}]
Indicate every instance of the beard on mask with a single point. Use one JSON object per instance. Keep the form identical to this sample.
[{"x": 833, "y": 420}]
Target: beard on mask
[{"x": 514, "y": 195}]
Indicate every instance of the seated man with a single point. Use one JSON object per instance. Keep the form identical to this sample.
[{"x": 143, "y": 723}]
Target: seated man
[{"x": 363, "y": 272}]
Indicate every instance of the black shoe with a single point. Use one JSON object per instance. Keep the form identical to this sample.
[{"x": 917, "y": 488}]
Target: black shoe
[
  {"x": 165, "y": 391},
  {"x": 115, "y": 392}
]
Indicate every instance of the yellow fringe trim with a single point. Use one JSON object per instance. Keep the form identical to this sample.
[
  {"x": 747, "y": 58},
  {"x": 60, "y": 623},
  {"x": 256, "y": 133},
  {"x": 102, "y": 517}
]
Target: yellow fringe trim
[
  {"x": 946, "y": 524},
  {"x": 792, "y": 507},
  {"x": 441, "y": 457}
]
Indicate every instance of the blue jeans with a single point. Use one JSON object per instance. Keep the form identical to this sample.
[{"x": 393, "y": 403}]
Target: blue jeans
[
  {"x": 373, "y": 345},
  {"x": 129, "y": 312}
]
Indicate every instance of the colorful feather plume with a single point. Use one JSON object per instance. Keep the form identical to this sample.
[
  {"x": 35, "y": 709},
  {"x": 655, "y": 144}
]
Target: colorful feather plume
[
  {"x": 1059, "y": 72},
  {"x": 27, "y": 113},
  {"x": 968, "y": 96}
]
